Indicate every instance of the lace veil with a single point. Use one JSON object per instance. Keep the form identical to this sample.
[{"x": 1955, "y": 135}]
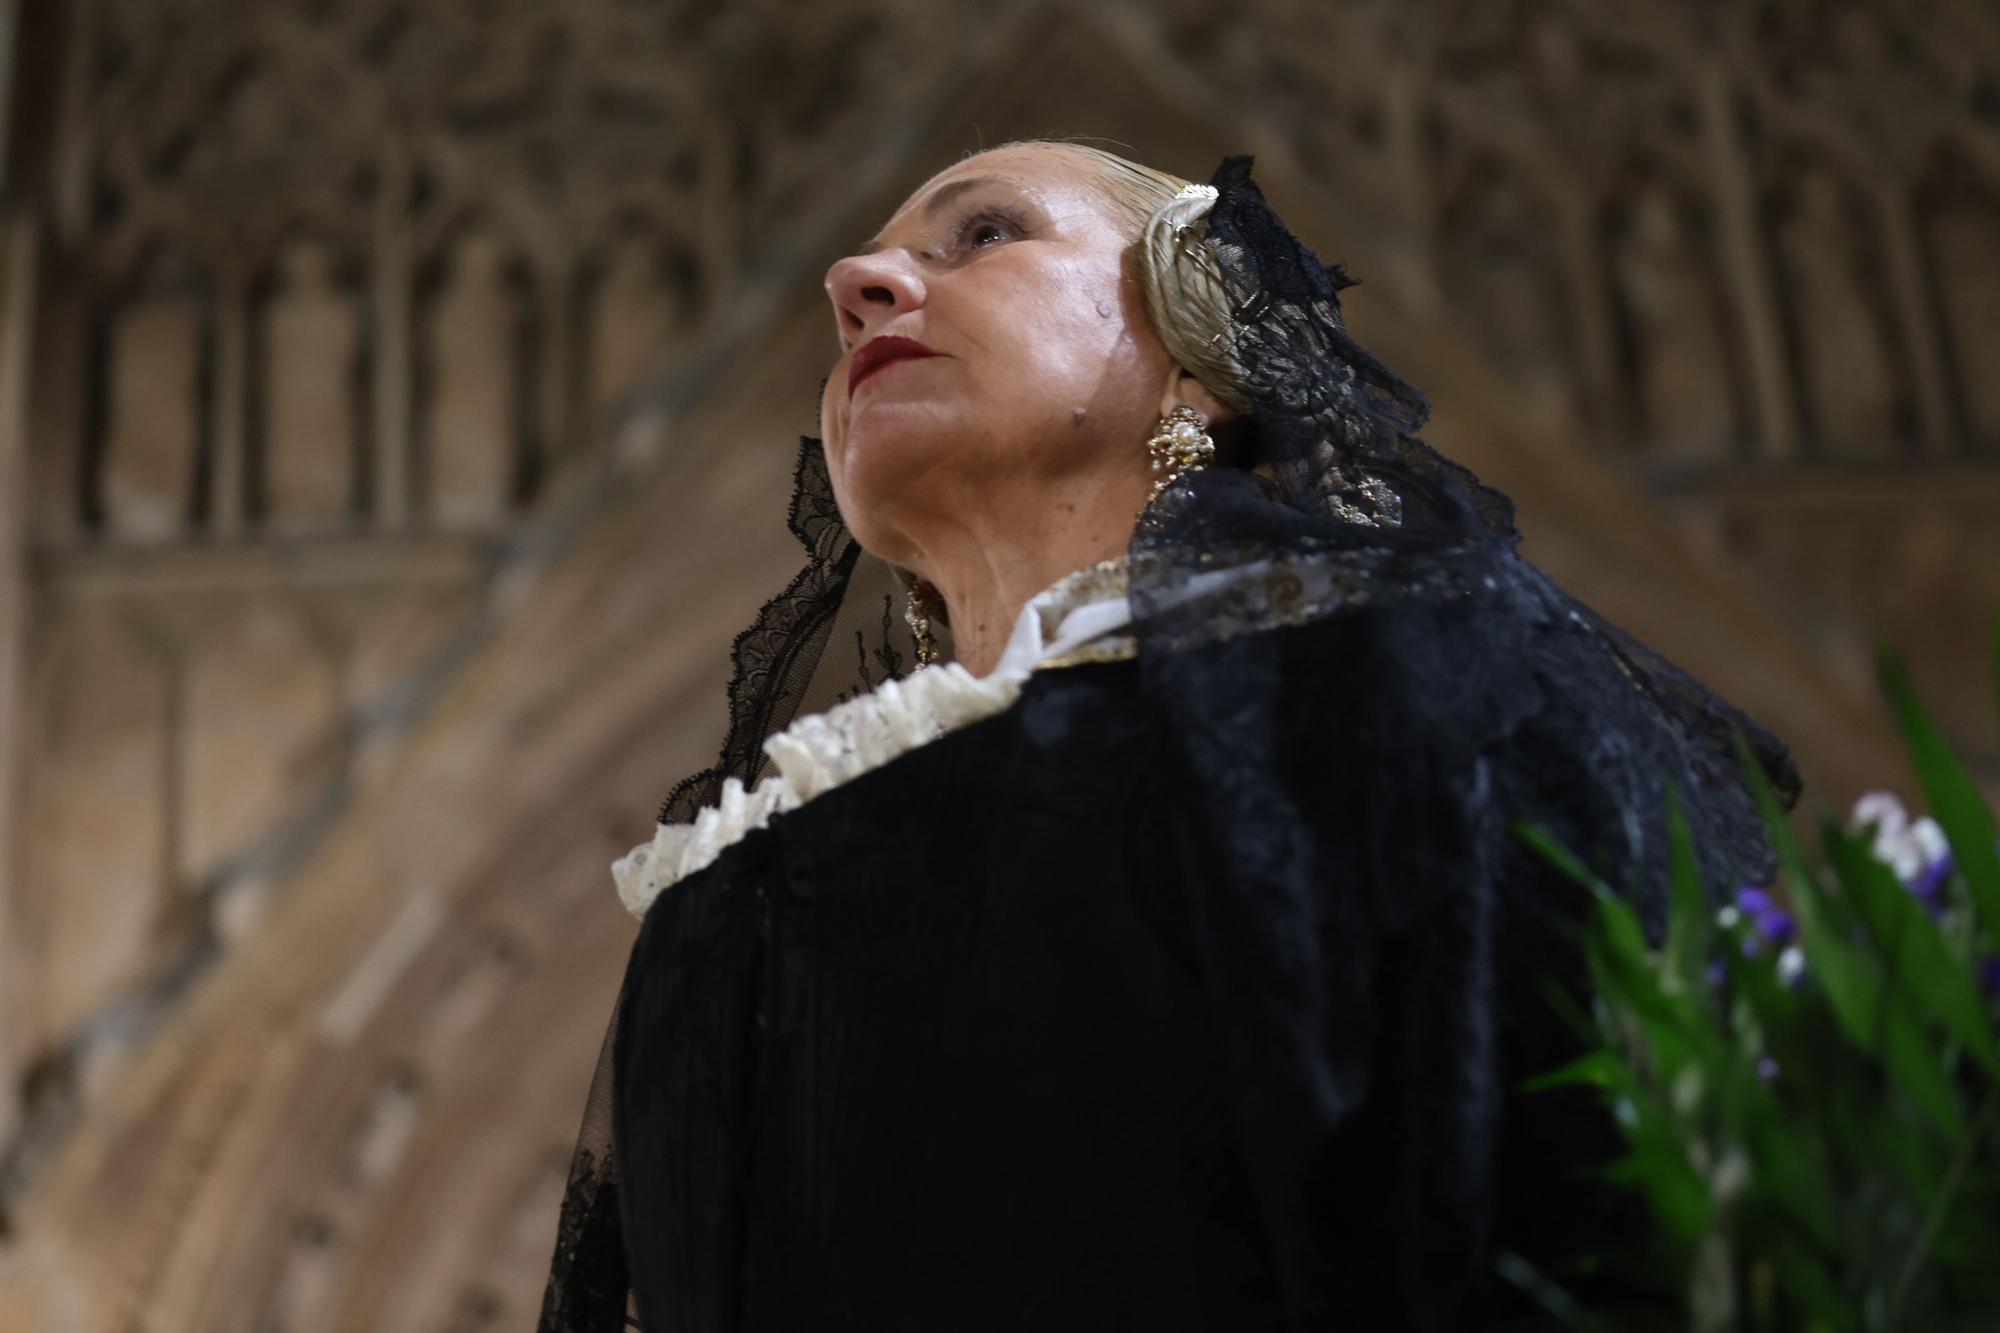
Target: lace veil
[{"x": 1347, "y": 519}]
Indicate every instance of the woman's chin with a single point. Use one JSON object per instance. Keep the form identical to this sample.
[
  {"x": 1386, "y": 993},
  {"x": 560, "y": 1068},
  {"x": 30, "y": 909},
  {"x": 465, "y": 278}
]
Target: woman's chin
[
  {"x": 886, "y": 412},
  {"x": 885, "y": 447}
]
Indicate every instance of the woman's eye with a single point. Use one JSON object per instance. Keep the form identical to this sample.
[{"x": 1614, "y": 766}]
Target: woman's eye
[{"x": 973, "y": 232}]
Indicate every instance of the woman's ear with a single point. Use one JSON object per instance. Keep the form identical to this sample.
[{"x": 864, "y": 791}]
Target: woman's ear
[
  {"x": 1183, "y": 387},
  {"x": 1235, "y": 440}
]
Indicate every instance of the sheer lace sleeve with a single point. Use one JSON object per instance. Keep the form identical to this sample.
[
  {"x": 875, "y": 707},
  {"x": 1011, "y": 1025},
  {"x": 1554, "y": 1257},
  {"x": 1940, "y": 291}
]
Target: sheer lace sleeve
[
  {"x": 830, "y": 634},
  {"x": 588, "y": 1290}
]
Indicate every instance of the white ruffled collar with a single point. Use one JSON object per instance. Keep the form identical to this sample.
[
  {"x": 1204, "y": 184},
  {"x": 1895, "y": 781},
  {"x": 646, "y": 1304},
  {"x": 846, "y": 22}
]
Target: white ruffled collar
[{"x": 1080, "y": 617}]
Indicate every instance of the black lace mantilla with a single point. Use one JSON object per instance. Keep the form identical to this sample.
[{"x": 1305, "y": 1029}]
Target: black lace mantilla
[
  {"x": 773, "y": 660},
  {"x": 1474, "y": 688},
  {"x": 1355, "y": 508}
]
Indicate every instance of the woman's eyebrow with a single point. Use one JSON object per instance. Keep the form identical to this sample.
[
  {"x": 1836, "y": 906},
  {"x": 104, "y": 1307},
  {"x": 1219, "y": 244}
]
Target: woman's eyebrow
[{"x": 941, "y": 197}]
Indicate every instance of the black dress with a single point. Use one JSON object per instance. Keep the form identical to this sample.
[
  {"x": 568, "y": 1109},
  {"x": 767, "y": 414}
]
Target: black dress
[
  {"x": 950, "y": 1045},
  {"x": 1193, "y": 990}
]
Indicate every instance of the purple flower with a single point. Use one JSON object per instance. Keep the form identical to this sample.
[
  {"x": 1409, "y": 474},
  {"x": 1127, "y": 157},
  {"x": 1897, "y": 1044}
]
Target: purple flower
[
  {"x": 1928, "y": 886},
  {"x": 1767, "y": 1068},
  {"x": 1773, "y": 922},
  {"x": 1989, "y": 975},
  {"x": 1717, "y": 974}
]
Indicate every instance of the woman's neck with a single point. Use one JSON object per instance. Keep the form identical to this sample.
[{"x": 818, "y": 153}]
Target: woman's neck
[{"x": 987, "y": 575}]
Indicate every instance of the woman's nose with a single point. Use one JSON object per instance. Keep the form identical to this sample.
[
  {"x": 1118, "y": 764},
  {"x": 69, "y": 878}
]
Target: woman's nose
[{"x": 868, "y": 291}]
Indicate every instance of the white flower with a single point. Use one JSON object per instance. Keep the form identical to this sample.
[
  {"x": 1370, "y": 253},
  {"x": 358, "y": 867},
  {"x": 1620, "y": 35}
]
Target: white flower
[
  {"x": 1929, "y": 840},
  {"x": 1884, "y": 809},
  {"x": 1791, "y": 964},
  {"x": 1906, "y": 846}
]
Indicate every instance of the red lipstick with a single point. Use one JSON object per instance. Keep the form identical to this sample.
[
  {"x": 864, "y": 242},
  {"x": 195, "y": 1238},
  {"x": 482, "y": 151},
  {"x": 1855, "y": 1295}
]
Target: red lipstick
[{"x": 879, "y": 352}]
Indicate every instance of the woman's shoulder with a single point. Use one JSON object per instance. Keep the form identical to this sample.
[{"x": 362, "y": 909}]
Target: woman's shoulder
[
  {"x": 938, "y": 732},
  {"x": 1459, "y": 648}
]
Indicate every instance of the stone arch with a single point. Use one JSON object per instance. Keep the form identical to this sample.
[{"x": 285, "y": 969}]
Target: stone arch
[
  {"x": 636, "y": 297},
  {"x": 308, "y": 376},
  {"x": 1958, "y": 210},
  {"x": 1826, "y": 249},
  {"x": 1677, "y": 350},
  {"x": 478, "y": 319},
  {"x": 1500, "y": 262},
  {"x": 149, "y": 399}
]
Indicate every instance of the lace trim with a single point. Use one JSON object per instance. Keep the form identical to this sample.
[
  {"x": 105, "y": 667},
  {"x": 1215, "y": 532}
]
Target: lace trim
[
  {"x": 819, "y": 752},
  {"x": 814, "y": 755}
]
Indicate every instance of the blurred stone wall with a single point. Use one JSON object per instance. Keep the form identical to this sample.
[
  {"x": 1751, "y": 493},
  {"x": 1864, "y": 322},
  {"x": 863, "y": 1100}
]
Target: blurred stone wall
[{"x": 396, "y": 408}]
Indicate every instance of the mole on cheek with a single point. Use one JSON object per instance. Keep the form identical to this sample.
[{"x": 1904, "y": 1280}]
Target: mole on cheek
[
  {"x": 1076, "y": 417},
  {"x": 1104, "y": 308}
]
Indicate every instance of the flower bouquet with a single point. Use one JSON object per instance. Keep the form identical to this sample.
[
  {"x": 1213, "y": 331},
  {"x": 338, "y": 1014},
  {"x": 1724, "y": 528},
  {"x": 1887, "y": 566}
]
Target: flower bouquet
[{"x": 1806, "y": 1078}]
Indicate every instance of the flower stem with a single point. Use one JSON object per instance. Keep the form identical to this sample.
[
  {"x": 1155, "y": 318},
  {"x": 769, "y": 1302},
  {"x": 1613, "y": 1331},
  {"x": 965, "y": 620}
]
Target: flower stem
[{"x": 1961, "y": 1162}]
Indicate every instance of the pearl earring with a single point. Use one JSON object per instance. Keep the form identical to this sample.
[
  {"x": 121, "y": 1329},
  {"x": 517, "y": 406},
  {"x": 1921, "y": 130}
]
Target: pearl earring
[
  {"x": 918, "y": 616},
  {"x": 1179, "y": 444}
]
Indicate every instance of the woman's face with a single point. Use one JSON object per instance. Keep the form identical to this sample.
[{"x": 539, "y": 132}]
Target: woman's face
[{"x": 1048, "y": 377}]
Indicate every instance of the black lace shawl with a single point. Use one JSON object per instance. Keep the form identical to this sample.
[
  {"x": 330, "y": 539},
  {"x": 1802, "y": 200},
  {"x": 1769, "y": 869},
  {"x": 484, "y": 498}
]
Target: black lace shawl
[{"x": 1477, "y": 690}]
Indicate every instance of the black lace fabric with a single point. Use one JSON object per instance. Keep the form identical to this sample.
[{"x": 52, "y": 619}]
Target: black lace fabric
[
  {"x": 1457, "y": 690},
  {"x": 1454, "y": 687},
  {"x": 588, "y": 1287},
  {"x": 835, "y": 631},
  {"x": 1349, "y": 509}
]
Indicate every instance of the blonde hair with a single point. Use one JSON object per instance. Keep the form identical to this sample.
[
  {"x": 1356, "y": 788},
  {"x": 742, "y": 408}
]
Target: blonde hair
[{"x": 1185, "y": 300}]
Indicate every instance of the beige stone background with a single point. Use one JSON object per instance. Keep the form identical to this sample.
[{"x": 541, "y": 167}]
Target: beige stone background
[{"x": 397, "y": 402}]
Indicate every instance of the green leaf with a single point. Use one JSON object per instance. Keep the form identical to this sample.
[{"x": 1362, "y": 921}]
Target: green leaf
[
  {"x": 1560, "y": 856},
  {"x": 1791, "y": 860},
  {"x": 1621, "y": 931},
  {"x": 1623, "y": 969},
  {"x": 1546, "y": 1293},
  {"x": 1689, "y": 920},
  {"x": 1807, "y": 1280},
  {"x": 1597, "y": 1069},
  {"x": 1914, "y": 1064},
  {"x": 1566, "y": 1006},
  {"x": 1772, "y": 1005},
  {"x": 1954, "y": 798},
  {"x": 1851, "y": 980},
  {"x": 1628, "y": 979},
  {"x": 1850, "y": 977},
  {"x": 1867, "y": 1132},
  {"x": 1914, "y": 948},
  {"x": 1790, "y": 1159},
  {"x": 1958, "y": 1177},
  {"x": 1678, "y": 1193}
]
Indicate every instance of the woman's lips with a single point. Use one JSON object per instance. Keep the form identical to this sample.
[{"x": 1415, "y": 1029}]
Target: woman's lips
[
  {"x": 877, "y": 369},
  {"x": 880, "y": 354}
]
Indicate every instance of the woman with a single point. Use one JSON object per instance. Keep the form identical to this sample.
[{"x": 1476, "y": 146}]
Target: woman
[{"x": 1168, "y": 958}]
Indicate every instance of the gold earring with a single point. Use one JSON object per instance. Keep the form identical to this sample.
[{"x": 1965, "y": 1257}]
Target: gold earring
[
  {"x": 918, "y": 614},
  {"x": 1179, "y": 444}
]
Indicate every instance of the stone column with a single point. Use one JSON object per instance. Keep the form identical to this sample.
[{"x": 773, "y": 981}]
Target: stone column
[
  {"x": 390, "y": 272},
  {"x": 9, "y": 31},
  {"x": 1776, "y": 411},
  {"x": 17, "y": 313},
  {"x": 230, "y": 371}
]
